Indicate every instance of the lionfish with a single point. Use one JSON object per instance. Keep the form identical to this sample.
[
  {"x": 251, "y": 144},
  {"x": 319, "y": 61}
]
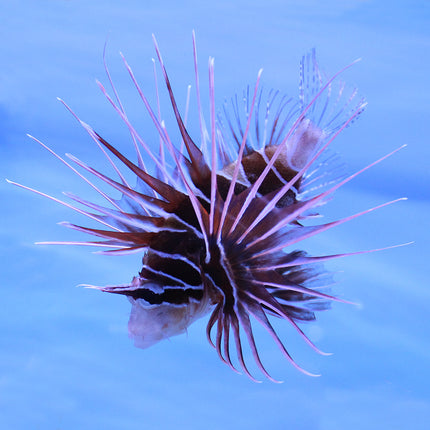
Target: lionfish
[{"x": 217, "y": 222}]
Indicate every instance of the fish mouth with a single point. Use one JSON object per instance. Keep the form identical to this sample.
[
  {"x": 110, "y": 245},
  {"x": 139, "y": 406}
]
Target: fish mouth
[{"x": 157, "y": 317}]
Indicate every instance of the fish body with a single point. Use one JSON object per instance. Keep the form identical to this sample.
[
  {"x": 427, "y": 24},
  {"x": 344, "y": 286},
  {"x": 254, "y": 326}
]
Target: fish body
[{"x": 219, "y": 218}]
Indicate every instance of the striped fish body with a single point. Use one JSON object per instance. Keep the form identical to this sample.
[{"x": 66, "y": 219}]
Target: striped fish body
[{"x": 178, "y": 282}]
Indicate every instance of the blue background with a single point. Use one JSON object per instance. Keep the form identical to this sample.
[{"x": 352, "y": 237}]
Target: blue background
[{"x": 65, "y": 359}]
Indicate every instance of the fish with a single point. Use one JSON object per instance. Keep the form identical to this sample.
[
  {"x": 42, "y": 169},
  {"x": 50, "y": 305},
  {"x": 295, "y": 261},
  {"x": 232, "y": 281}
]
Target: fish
[{"x": 219, "y": 217}]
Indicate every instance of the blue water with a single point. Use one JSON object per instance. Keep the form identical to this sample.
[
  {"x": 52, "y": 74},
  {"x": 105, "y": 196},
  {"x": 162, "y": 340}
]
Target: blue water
[{"x": 65, "y": 359}]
